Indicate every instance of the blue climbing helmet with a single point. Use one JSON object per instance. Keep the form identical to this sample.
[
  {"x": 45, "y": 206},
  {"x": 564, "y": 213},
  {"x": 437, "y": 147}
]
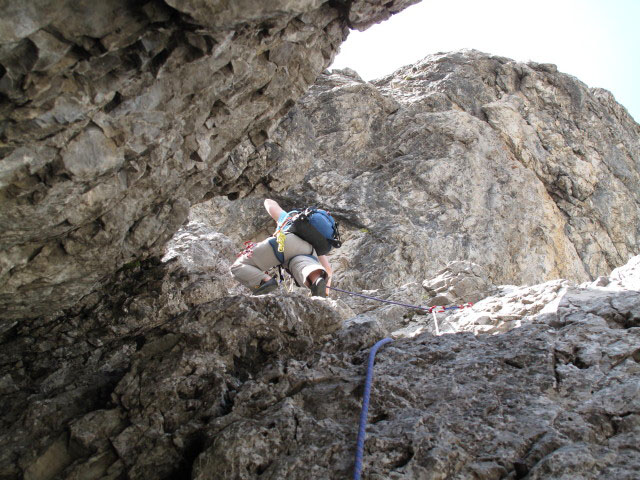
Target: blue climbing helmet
[{"x": 315, "y": 226}]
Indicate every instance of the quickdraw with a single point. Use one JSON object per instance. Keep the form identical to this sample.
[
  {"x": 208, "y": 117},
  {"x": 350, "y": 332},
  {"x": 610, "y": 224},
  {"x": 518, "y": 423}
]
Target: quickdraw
[
  {"x": 248, "y": 249},
  {"x": 442, "y": 309},
  {"x": 280, "y": 238}
]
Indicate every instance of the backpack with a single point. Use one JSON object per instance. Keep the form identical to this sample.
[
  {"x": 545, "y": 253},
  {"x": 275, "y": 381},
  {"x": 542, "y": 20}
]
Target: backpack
[{"x": 315, "y": 226}]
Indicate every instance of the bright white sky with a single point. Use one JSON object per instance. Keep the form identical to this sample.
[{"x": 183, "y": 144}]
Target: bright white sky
[{"x": 597, "y": 41}]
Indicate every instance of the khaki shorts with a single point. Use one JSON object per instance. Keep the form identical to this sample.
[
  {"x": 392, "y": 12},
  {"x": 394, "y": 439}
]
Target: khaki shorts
[{"x": 299, "y": 258}]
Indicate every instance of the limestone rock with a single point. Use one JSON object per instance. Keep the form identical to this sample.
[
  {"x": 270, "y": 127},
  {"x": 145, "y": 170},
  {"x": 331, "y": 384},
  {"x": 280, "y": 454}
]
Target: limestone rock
[
  {"x": 464, "y": 156},
  {"x": 156, "y": 381},
  {"x": 116, "y": 116},
  {"x": 364, "y": 13},
  {"x": 167, "y": 343},
  {"x": 623, "y": 277},
  {"x": 458, "y": 283},
  {"x": 552, "y": 395},
  {"x": 170, "y": 370}
]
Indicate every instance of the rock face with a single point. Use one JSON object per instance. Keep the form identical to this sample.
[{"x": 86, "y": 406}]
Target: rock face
[
  {"x": 78, "y": 394},
  {"x": 175, "y": 374},
  {"x": 171, "y": 370},
  {"x": 464, "y": 156},
  {"x": 556, "y": 397},
  {"x": 116, "y": 116}
]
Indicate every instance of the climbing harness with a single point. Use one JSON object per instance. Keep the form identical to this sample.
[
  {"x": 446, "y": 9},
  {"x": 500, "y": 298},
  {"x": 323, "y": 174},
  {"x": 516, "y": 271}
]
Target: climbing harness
[
  {"x": 365, "y": 408},
  {"x": 433, "y": 309}
]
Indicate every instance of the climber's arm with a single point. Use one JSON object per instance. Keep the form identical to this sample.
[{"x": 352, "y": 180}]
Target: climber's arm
[{"x": 273, "y": 208}]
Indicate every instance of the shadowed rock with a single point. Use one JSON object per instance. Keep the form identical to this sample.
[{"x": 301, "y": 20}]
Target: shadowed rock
[
  {"x": 169, "y": 371},
  {"x": 116, "y": 116}
]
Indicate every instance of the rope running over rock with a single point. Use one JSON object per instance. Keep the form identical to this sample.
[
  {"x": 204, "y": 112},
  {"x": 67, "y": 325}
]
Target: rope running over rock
[
  {"x": 369, "y": 378},
  {"x": 365, "y": 408}
]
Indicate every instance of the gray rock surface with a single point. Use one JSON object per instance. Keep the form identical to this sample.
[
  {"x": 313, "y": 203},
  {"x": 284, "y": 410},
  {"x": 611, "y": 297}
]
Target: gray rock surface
[
  {"x": 173, "y": 373},
  {"x": 127, "y": 382},
  {"x": 554, "y": 397},
  {"x": 515, "y": 167},
  {"x": 116, "y": 116},
  {"x": 170, "y": 370},
  {"x": 458, "y": 283}
]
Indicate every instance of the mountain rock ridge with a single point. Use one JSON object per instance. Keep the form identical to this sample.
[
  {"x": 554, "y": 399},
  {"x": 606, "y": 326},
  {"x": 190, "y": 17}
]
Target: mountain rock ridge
[{"x": 173, "y": 371}]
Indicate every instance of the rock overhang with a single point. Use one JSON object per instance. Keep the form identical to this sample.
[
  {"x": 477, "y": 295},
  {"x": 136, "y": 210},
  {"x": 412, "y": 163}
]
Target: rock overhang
[{"x": 116, "y": 117}]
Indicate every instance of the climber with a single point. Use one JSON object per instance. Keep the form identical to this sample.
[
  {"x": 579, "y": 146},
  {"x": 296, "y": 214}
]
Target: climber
[{"x": 299, "y": 256}]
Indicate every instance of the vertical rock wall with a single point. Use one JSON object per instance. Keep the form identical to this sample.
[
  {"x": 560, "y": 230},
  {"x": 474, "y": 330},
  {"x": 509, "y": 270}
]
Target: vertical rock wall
[
  {"x": 463, "y": 156},
  {"x": 116, "y": 116}
]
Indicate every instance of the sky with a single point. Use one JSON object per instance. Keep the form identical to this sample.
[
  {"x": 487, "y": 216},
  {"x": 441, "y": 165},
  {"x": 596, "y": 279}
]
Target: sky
[{"x": 597, "y": 41}]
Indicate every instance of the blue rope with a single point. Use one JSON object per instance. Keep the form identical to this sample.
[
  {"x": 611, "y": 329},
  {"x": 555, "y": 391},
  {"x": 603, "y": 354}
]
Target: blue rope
[
  {"x": 372, "y": 354},
  {"x": 365, "y": 408}
]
